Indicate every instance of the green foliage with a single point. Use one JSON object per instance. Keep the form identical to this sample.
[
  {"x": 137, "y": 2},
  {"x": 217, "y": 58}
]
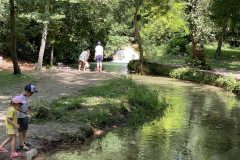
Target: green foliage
[
  {"x": 196, "y": 63},
  {"x": 228, "y": 83},
  {"x": 237, "y": 87},
  {"x": 193, "y": 74},
  {"x": 41, "y": 111},
  {"x": 133, "y": 66},
  {"x": 177, "y": 45},
  {"x": 221, "y": 8},
  {"x": 74, "y": 26},
  {"x": 161, "y": 20},
  {"x": 8, "y": 78},
  {"x": 103, "y": 104},
  {"x": 145, "y": 105}
]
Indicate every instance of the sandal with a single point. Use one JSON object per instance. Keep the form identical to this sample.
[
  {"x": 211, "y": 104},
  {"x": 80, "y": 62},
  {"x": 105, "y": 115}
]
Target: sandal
[
  {"x": 27, "y": 143},
  {"x": 24, "y": 147},
  {"x": 16, "y": 154},
  {"x": 3, "y": 150}
]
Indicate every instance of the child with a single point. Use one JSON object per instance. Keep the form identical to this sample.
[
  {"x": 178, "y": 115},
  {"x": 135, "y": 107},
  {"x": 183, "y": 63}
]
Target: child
[
  {"x": 11, "y": 125},
  {"x": 23, "y": 117}
]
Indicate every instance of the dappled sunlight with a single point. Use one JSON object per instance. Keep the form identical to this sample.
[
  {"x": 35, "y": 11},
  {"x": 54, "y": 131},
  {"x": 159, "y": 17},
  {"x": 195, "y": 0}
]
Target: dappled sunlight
[
  {"x": 55, "y": 83},
  {"x": 201, "y": 123}
]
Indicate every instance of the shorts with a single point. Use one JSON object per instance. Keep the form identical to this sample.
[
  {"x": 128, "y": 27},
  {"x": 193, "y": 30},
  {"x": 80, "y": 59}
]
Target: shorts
[
  {"x": 99, "y": 58},
  {"x": 23, "y": 122},
  {"x": 11, "y": 131}
]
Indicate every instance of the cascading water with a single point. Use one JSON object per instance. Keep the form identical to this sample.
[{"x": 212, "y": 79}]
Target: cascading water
[{"x": 126, "y": 55}]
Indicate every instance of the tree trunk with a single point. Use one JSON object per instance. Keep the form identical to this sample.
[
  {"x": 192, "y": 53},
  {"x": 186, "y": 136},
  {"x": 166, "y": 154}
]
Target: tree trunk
[
  {"x": 44, "y": 37},
  {"x": 138, "y": 37},
  {"x": 13, "y": 38},
  {"x": 52, "y": 50},
  {"x": 197, "y": 53},
  {"x": 218, "y": 51}
]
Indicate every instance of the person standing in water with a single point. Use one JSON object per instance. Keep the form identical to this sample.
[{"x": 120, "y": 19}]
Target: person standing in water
[{"x": 99, "y": 56}]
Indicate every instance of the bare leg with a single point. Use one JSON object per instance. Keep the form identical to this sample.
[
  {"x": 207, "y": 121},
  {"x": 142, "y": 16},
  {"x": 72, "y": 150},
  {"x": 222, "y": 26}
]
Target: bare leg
[
  {"x": 79, "y": 65},
  {"x": 84, "y": 66},
  {"x": 100, "y": 68},
  {"x": 21, "y": 138},
  {"x": 5, "y": 142},
  {"x": 24, "y": 135},
  {"x": 13, "y": 145}
]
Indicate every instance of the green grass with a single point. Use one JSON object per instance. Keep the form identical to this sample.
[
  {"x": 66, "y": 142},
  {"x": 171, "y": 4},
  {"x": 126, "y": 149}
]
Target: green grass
[
  {"x": 229, "y": 59},
  {"x": 8, "y": 78},
  {"x": 109, "y": 102}
]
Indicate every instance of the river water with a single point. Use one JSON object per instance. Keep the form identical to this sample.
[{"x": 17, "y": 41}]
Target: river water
[
  {"x": 119, "y": 68},
  {"x": 203, "y": 123}
]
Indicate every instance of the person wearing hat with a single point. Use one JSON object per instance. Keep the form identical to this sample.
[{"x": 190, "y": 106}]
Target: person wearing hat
[
  {"x": 23, "y": 116},
  {"x": 11, "y": 125},
  {"x": 99, "y": 56}
]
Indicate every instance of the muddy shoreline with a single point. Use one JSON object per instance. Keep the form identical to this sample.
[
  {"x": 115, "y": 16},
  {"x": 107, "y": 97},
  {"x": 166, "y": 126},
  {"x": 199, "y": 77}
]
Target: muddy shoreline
[
  {"x": 52, "y": 84},
  {"x": 66, "y": 141}
]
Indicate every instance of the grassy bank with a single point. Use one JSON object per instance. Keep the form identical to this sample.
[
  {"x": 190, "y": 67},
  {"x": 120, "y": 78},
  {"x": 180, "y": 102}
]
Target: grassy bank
[
  {"x": 7, "y": 78},
  {"x": 189, "y": 74},
  {"x": 109, "y": 103},
  {"x": 229, "y": 59}
]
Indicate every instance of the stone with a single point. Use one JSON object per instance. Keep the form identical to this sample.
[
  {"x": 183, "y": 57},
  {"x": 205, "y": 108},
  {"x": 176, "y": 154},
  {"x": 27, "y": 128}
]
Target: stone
[{"x": 31, "y": 153}]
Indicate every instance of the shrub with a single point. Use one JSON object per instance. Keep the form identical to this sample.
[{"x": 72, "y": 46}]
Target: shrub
[
  {"x": 196, "y": 63},
  {"x": 237, "y": 88},
  {"x": 41, "y": 111},
  {"x": 133, "y": 66},
  {"x": 228, "y": 83},
  {"x": 177, "y": 45},
  {"x": 178, "y": 73}
]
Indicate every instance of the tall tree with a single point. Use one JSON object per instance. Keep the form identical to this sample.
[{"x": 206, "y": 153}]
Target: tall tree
[
  {"x": 138, "y": 37},
  {"x": 44, "y": 35},
  {"x": 52, "y": 50},
  {"x": 199, "y": 26},
  {"x": 222, "y": 12},
  {"x": 13, "y": 38}
]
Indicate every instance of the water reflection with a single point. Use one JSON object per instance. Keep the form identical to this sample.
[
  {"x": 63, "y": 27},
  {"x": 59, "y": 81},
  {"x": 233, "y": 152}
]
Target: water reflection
[
  {"x": 119, "y": 68},
  {"x": 202, "y": 124}
]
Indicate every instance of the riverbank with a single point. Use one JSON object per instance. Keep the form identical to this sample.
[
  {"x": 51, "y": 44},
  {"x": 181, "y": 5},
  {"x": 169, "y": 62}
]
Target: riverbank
[
  {"x": 226, "y": 80},
  {"x": 72, "y": 106},
  {"x": 52, "y": 84},
  {"x": 202, "y": 123},
  {"x": 98, "y": 109}
]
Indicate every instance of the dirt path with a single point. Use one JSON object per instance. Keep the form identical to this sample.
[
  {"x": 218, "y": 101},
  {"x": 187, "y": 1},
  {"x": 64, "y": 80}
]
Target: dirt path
[{"x": 51, "y": 84}]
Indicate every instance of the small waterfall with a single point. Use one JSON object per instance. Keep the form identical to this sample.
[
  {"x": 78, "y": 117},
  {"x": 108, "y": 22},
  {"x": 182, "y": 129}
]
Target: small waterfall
[{"x": 126, "y": 55}]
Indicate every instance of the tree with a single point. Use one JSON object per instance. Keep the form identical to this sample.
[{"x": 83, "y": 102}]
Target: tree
[
  {"x": 44, "y": 36},
  {"x": 52, "y": 50},
  {"x": 138, "y": 37},
  {"x": 199, "y": 26},
  {"x": 222, "y": 12},
  {"x": 13, "y": 38},
  {"x": 161, "y": 20}
]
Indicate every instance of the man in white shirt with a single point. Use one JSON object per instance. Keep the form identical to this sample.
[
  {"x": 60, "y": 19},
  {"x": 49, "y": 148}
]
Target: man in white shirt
[{"x": 99, "y": 56}]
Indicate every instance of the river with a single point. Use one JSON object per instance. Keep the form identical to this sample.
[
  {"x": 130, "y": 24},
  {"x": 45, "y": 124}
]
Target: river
[{"x": 203, "y": 123}]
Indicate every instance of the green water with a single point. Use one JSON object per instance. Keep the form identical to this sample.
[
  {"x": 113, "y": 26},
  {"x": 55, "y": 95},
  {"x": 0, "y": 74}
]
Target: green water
[
  {"x": 119, "y": 68},
  {"x": 203, "y": 123}
]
